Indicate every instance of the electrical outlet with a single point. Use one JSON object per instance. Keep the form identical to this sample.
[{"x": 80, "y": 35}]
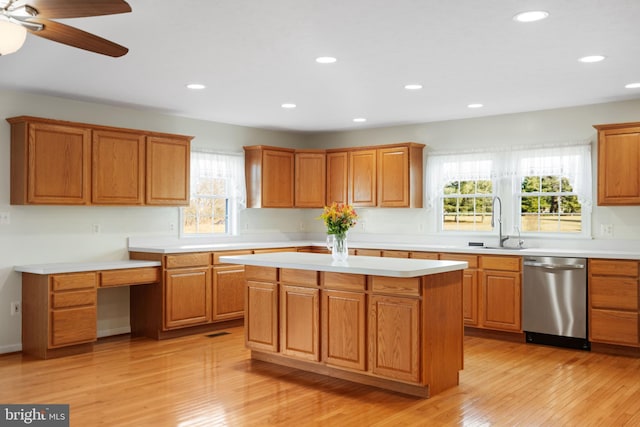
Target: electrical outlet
[
  {"x": 364, "y": 226},
  {"x": 606, "y": 230},
  {"x": 301, "y": 226},
  {"x": 15, "y": 308},
  {"x": 95, "y": 228},
  {"x": 5, "y": 218},
  {"x": 172, "y": 226}
]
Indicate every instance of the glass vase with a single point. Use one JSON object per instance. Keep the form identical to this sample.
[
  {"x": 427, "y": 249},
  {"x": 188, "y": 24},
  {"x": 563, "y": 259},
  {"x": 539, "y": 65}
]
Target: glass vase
[{"x": 337, "y": 244}]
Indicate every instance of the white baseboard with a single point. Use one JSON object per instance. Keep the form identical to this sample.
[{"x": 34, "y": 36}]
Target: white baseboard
[
  {"x": 10, "y": 348},
  {"x": 114, "y": 331}
]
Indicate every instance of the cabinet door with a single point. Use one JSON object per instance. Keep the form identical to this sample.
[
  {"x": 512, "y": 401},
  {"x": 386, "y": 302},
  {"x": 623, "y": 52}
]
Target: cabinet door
[
  {"x": 501, "y": 301},
  {"x": 261, "y": 316},
  {"x": 310, "y": 182},
  {"x": 187, "y": 297},
  {"x": 117, "y": 168},
  {"x": 394, "y": 337},
  {"x": 337, "y": 178},
  {"x": 228, "y": 292},
  {"x": 343, "y": 329},
  {"x": 362, "y": 177},
  {"x": 618, "y": 167},
  {"x": 58, "y": 164},
  {"x": 73, "y": 326},
  {"x": 613, "y": 327},
  {"x": 167, "y": 169},
  {"x": 300, "y": 322},
  {"x": 393, "y": 177},
  {"x": 277, "y": 179},
  {"x": 470, "y": 297}
]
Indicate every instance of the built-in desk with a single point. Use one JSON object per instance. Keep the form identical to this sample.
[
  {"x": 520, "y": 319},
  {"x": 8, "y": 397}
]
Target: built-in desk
[{"x": 59, "y": 310}]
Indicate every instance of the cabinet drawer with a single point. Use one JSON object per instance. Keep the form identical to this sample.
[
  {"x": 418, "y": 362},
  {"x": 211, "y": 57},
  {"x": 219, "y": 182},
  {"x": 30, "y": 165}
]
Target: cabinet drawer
[
  {"x": 187, "y": 260},
  {"x": 66, "y": 282},
  {"x": 299, "y": 277},
  {"x": 611, "y": 267},
  {"x": 616, "y": 327},
  {"x": 271, "y": 250},
  {"x": 614, "y": 292},
  {"x": 504, "y": 263},
  {"x": 396, "y": 285},
  {"x": 472, "y": 260},
  {"x": 424, "y": 255},
  {"x": 217, "y": 255},
  {"x": 354, "y": 282},
  {"x": 73, "y": 299},
  {"x": 266, "y": 274},
  {"x": 130, "y": 276},
  {"x": 368, "y": 252},
  {"x": 395, "y": 254},
  {"x": 73, "y": 326}
]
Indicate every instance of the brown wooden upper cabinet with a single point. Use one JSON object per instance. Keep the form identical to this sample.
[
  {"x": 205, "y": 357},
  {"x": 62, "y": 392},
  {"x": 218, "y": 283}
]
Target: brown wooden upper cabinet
[
  {"x": 382, "y": 176},
  {"x": 118, "y": 168},
  {"x": 619, "y": 164},
  {"x": 310, "y": 178},
  {"x": 269, "y": 175},
  {"x": 337, "y": 177},
  {"x": 66, "y": 163}
]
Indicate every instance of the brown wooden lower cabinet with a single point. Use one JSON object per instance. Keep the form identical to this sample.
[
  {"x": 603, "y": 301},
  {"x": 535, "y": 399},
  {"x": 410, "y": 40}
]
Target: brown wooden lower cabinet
[
  {"x": 300, "y": 322},
  {"x": 613, "y": 302},
  {"x": 394, "y": 337},
  {"x": 261, "y": 309},
  {"x": 501, "y": 300},
  {"x": 228, "y": 292},
  {"x": 187, "y": 297},
  {"x": 343, "y": 329}
]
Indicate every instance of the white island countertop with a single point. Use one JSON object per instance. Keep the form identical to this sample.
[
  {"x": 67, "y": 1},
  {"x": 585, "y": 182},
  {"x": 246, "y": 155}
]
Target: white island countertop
[{"x": 375, "y": 266}]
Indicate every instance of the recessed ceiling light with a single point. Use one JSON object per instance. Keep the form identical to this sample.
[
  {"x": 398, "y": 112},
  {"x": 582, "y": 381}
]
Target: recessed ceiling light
[
  {"x": 632, "y": 86},
  {"x": 475, "y": 106},
  {"x": 591, "y": 58},
  {"x": 413, "y": 87},
  {"x": 288, "y": 105},
  {"x": 359, "y": 120},
  {"x": 195, "y": 86},
  {"x": 325, "y": 60},
  {"x": 531, "y": 16}
]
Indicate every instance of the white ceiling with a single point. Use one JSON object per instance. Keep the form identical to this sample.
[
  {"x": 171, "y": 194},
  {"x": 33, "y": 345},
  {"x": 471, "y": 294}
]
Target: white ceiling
[{"x": 254, "y": 55}]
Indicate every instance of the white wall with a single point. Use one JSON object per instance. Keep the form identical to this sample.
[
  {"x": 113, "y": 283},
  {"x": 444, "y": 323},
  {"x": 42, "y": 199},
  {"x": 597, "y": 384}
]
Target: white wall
[{"x": 41, "y": 234}]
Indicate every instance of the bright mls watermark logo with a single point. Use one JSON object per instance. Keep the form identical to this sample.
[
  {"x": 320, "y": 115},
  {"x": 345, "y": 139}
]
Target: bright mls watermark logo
[{"x": 34, "y": 415}]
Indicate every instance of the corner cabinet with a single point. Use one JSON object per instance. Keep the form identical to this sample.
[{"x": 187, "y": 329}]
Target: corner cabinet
[
  {"x": 619, "y": 164},
  {"x": 269, "y": 174},
  {"x": 56, "y": 162}
]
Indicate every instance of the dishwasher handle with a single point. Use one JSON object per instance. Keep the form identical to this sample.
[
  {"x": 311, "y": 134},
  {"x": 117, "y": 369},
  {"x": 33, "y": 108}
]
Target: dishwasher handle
[{"x": 554, "y": 266}]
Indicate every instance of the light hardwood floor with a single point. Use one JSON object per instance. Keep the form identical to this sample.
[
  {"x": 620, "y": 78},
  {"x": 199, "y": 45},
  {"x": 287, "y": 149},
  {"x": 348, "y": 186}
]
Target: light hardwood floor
[{"x": 203, "y": 381}]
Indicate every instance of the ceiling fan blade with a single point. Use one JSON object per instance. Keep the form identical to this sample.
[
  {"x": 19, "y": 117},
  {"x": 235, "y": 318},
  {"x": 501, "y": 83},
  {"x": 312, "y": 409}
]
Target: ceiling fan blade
[
  {"x": 78, "y": 8},
  {"x": 71, "y": 36}
]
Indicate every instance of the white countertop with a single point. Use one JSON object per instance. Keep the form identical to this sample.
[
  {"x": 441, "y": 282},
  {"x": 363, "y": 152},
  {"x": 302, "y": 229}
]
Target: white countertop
[
  {"x": 392, "y": 267},
  {"x": 73, "y": 267},
  {"x": 228, "y": 246}
]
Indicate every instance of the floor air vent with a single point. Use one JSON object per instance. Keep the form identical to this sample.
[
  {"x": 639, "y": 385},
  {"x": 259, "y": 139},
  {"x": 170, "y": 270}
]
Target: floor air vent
[{"x": 217, "y": 334}]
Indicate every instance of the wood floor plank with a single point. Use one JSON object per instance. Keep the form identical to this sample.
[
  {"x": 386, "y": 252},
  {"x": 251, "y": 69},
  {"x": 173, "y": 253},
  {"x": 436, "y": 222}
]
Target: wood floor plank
[{"x": 202, "y": 381}]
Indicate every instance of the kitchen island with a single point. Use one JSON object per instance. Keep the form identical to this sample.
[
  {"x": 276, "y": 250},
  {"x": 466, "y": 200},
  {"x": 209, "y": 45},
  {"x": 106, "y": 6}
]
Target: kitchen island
[{"x": 386, "y": 322}]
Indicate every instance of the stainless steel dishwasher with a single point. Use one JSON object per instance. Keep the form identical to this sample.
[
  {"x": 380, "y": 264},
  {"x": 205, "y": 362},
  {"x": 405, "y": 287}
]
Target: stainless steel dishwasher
[{"x": 554, "y": 301}]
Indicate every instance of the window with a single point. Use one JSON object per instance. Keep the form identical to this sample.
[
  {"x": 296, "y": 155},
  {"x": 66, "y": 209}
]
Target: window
[
  {"x": 217, "y": 193},
  {"x": 548, "y": 204},
  {"x": 467, "y": 205},
  {"x": 544, "y": 190}
]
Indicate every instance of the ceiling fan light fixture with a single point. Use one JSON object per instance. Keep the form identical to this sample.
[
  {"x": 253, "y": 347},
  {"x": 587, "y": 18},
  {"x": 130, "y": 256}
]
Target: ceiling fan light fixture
[
  {"x": 12, "y": 37},
  {"x": 24, "y": 11}
]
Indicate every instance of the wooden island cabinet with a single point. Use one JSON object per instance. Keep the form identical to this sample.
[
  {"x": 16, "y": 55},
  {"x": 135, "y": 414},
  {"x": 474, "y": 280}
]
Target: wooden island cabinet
[{"x": 388, "y": 322}]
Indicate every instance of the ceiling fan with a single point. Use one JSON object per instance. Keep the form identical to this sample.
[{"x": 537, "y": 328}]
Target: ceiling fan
[{"x": 19, "y": 16}]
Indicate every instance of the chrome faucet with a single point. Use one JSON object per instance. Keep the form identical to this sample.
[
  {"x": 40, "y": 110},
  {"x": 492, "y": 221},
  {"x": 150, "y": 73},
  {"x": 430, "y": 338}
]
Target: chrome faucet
[{"x": 493, "y": 215}]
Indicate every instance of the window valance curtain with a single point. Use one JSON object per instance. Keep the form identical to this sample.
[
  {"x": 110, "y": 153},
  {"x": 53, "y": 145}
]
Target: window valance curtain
[
  {"x": 206, "y": 165},
  {"x": 570, "y": 161}
]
